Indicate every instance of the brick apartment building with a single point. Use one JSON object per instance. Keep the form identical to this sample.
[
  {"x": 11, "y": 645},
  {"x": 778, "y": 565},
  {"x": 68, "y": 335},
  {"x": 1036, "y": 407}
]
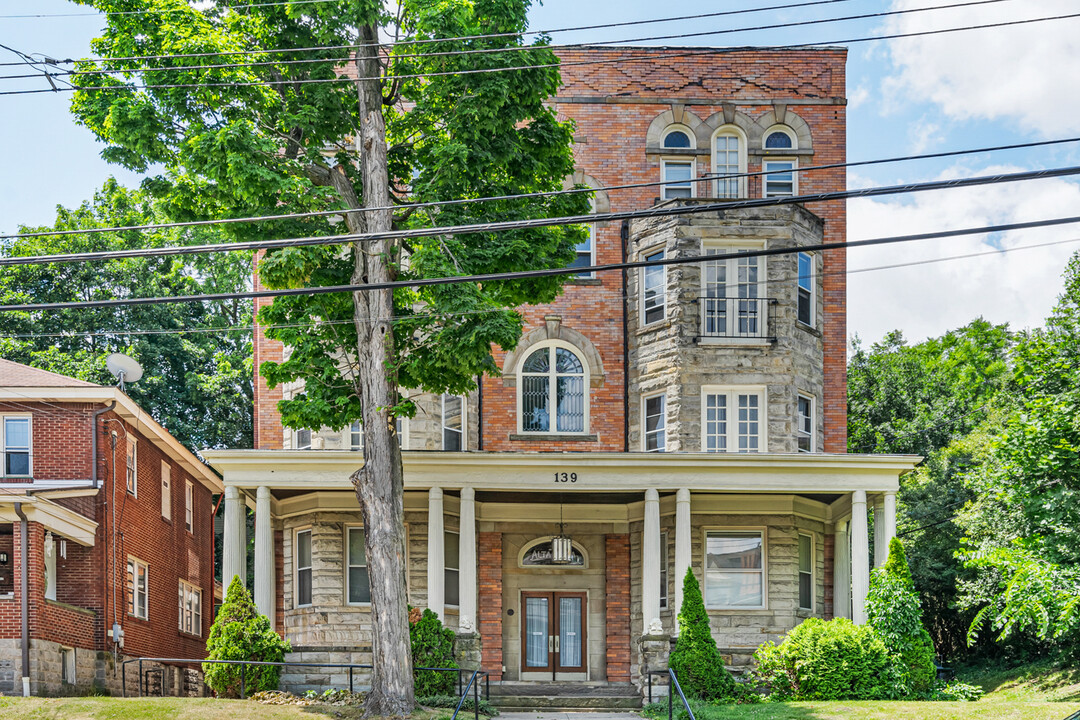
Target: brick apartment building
[
  {"x": 104, "y": 519},
  {"x": 699, "y": 419}
]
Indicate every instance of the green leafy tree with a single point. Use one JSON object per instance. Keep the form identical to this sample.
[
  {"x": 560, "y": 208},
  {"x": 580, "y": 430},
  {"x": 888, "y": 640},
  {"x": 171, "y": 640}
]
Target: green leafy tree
[
  {"x": 239, "y": 632},
  {"x": 410, "y": 125},
  {"x": 196, "y": 356},
  {"x": 893, "y": 609},
  {"x": 432, "y": 647},
  {"x": 696, "y": 660}
]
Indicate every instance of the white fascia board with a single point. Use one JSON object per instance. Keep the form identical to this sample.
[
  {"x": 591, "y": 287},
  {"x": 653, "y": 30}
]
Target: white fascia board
[
  {"x": 130, "y": 411},
  {"x": 57, "y": 518},
  {"x": 750, "y": 473}
]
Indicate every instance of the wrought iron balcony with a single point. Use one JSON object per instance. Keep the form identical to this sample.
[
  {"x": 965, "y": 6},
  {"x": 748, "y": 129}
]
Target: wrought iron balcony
[{"x": 726, "y": 317}]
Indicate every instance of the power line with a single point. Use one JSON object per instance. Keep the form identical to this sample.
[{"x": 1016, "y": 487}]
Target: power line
[
  {"x": 550, "y": 272},
  {"x": 526, "y": 48},
  {"x": 159, "y": 12},
  {"x": 708, "y": 177},
  {"x": 652, "y": 57},
  {"x": 505, "y": 225},
  {"x": 622, "y": 297}
]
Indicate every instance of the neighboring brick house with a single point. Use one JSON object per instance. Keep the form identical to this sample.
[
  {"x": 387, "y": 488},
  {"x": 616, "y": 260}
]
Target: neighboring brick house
[
  {"x": 662, "y": 419},
  {"x": 118, "y": 529}
]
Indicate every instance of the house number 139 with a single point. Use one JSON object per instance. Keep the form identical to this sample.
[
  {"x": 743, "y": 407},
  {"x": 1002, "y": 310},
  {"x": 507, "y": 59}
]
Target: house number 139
[{"x": 565, "y": 477}]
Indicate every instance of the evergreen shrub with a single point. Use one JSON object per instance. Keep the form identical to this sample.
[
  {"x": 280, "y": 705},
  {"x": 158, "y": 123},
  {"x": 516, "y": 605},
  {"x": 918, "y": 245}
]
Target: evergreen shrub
[
  {"x": 894, "y": 610},
  {"x": 696, "y": 660},
  {"x": 432, "y": 646},
  {"x": 239, "y": 632}
]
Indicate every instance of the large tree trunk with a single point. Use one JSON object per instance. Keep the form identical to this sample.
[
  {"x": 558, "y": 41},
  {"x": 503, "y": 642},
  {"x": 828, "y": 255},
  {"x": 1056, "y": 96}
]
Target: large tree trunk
[{"x": 379, "y": 484}]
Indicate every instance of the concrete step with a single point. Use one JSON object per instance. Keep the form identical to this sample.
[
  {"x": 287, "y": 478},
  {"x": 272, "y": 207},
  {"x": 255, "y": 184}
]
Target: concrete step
[{"x": 563, "y": 703}]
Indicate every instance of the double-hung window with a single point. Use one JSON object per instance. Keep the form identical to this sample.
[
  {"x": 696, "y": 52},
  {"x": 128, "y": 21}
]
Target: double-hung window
[
  {"x": 358, "y": 583},
  {"x": 585, "y": 252},
  {"x": 728, "y": 153},
  {"x": 732, "y": 303},
  {"x": 133, "y": 466},
  {"x": 356, "y": 436},
  {"x": 138, "y": 588},
  {"x": 451, "y": 568},
  {"x": 805, "y": 300},
  {"x": 655, "y": 409},
  {"x": 302, "y": 439},
  {"x": 189, "y": 506},
  {"x": 779, "y": 179},
  {"x": 553, "y": 383},
  {"x": 806, "y": 572},
  {"x": 15, "y": 441},
  {"x": 734, "y": 569},
  {"x": 166, "y": 490},
  {"x": 190, "y": 609},
  {"x": 805, "y": 430},
  {"x": 653, "y": 290},
  {"x": 733, "y": 419},
  {"x": 678, "y": 173},
  {"x": 453, "y": 423},
  {"x": 303, "y": 567}
]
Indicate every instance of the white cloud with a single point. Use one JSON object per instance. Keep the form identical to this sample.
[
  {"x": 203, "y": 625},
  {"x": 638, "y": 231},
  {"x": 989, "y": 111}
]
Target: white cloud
[
  {"x": 1019, "y": 287},
  {"x": 857, "y": 97},
  {"x": 1027, "y": 73}
]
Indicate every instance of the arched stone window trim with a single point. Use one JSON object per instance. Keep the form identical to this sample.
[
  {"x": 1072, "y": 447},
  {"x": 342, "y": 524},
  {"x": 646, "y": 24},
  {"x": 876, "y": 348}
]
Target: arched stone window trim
[
  {"x": 786, "y": 121},
  {"x": 675, "y": 118},
  {"x": 554, "y": 330},
  {"x": 529, "y": 546},
  {"x": 552, "y": 413}
]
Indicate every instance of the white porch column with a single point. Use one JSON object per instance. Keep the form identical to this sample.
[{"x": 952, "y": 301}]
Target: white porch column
[
  {"x": 233, "y": 542},
  {"x": 889, "y": 508},
  {"x": 650, "y": 561},
  {"x": 435, "y": 559},
  {"x": 881, "y": 549},
  {"x": 264, "y": 554},
  {"x": 682, "y": 546},
  {"x": 467, "y": 562},
  {"x": 842, "y": 573},
  {"x": 860, "y": 557}
]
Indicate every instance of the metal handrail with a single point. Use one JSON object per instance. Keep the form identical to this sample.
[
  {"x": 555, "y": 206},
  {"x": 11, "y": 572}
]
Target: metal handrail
[
  {"x": 674, "y": 683},
  {"x": 476, "y": 697}
]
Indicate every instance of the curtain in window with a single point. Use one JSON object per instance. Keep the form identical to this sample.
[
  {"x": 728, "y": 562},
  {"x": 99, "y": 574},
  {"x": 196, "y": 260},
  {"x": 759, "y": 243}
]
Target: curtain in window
[
  {"x": 570, "y": 632},
  {"x": 536, "y": 632}
]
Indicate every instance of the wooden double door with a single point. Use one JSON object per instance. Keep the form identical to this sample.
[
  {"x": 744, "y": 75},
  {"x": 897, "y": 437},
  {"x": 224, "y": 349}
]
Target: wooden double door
[{"x": 553, "y": 633}]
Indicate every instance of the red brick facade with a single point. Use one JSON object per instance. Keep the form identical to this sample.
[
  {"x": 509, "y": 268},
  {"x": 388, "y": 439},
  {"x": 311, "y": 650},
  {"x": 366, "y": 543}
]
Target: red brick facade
[
  {"x": 617, "y": 606},
  {"x": 490, "y": 607}
]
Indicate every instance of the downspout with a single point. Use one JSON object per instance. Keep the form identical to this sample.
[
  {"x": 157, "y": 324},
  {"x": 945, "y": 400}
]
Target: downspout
[
  {"x": 624, "y": 238},
  {"x": 94, "y": 444},
  {"x": 24, "y": 575},
  {"x": 479, "y": 411}
]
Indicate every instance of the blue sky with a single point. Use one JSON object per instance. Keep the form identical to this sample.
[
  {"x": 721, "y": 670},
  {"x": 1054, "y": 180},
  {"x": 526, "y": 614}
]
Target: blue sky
[{"x": 963, "y": 90}]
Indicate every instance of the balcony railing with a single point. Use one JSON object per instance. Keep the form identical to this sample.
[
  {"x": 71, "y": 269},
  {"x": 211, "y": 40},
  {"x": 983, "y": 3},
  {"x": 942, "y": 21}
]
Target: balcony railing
[{"x": 724, "y": 317}]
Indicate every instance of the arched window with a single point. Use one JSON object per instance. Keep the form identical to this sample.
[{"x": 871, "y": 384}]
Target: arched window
[
  {"x": 553, "y": 382},
  {"x": 779, "y": 138},
  {"x": 677, "y": 139},
  {"x": 729, "y": 159},
  {"x": 677, "y": 172}
]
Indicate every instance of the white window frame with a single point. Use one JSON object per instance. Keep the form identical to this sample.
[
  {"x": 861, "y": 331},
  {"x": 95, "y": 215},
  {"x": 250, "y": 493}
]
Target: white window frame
[
  {"x": 137, "y": 610},
  {"x": 646, "y": 256},
  {"x": 592, "y": 245},
  {"x": 764, "y": 571},
  {"x": 131, "y": 466},
  {"x": 811, "y": 291},
  {"x": 800, "y": 430},
  {"x": 552, "y": 389},
  {"x": 799, "y": 571},
  {"x": 731, "y": 287},
  {"x": 297, "y": 445},
  {"x": 67, "y": 666},
  {"x": 463, "y": 432},
  {"x": 780, "y": 128},
  {"x": 456, "y": 569},
  {"x": 674, "y": 128},
  {"x": 349, "y": 565},
  {"x": 5, "y": 448},
  {"x": 189, "y": 506},
  {"x": 664, "y": 570},
  {"x": 737, "y": 133},
  {"x": 190, "y": 622},
  {"x": 645, "y": 432},
  {"x": 401, "y": 426},
  {"x": 297, "y": 569},
  {"x": 691, "y": 182},
  {"x": 356, "y": 436},
  {"x": 766, "y": 172},
  {"x": 166, "y": 491},
  {"x": 732, "y": 434}
]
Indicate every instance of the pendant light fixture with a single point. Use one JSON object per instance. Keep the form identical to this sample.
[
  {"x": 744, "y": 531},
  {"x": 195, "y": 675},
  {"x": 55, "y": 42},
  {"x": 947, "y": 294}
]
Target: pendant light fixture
[{"x": 562, "y": 547}]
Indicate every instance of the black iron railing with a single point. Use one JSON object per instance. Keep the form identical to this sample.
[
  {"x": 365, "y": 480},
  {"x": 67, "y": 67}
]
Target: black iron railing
[
  {"x": 726, "y": 317},
  {"x": 673, "y": 688}
]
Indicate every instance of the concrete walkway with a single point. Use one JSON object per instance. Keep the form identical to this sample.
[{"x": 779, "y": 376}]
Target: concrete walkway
[{"x": 555, "y": 715}]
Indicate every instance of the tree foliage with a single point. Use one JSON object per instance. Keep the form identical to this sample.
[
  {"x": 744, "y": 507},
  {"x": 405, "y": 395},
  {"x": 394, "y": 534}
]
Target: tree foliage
[
  {"x": 196, "y": 356},
  {"x": 432, "y": 647},
  {"x": 239, "y": 632},
  {"x": 696, "y": 660}
]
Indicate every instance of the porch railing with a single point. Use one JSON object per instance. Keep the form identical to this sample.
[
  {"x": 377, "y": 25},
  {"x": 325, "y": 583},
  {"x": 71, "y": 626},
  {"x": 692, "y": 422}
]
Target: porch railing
[
  {"x": 673, "y": 689},
  {"x": 726, "y": 317}
]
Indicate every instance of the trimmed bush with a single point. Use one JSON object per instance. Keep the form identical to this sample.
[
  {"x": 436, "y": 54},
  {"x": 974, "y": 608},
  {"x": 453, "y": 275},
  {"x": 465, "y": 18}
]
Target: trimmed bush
[
  {"x": 432, "y": 646},
  {"x": 827, "y": 660},
  {"x": 696, "y": 661},
  {"x": 894, "y": 610},
  {"x": 239, "y": 632}
]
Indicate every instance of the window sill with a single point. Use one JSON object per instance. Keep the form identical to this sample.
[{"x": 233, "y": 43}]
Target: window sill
[
  {"x": 588, "y": 282},
  {"x": 654, "y": 326},
  {"x": 139, "y": 618},
  {"x": 808, "y": 328},
  {"x": 190, "y": 636},
  {"x": 735, "y": 341},
  {"x": 73, "y": 608},
  {"x": 552, "y": 437}
]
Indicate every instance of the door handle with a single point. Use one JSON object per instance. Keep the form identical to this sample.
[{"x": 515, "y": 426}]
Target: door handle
[
  {"x": 556, "y": 643},
  {"x": 551, "y": 642}
]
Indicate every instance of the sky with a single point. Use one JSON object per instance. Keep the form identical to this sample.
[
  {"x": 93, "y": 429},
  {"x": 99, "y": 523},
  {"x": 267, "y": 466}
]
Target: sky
[{"x": 973, "y": 89}]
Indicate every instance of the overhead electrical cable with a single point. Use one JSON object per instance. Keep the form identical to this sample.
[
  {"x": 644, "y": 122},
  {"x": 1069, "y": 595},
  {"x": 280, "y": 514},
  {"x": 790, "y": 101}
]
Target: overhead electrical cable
[
  {"x": 525, "y": 48},
  {"x": 517, "y": 275},
  {"x": 648, "y": 57},
  {"x": 507, "y": 225},
  {"x": 708, "y": 177}
]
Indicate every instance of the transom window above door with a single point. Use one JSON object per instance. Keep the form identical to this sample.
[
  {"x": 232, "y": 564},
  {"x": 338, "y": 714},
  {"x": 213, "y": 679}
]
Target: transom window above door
[{"x": 553, "y": 396}]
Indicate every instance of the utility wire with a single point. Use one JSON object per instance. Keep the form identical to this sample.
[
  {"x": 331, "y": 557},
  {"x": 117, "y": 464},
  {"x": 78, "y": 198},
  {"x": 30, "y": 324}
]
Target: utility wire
[
  {"x": 506, "y": 225},
  {"x": 708, "y": 177},
  {"x": 649, "y": 57},
  {"x": 622, "y": 297},
  {"x": 162, "y": 12},
  {"x": 550, "y": 272},
  {"x": 526, "y": 48}
]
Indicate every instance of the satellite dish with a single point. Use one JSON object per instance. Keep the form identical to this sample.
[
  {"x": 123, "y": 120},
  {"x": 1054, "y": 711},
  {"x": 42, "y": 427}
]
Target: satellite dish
[{"x": 123, "y": 368}]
